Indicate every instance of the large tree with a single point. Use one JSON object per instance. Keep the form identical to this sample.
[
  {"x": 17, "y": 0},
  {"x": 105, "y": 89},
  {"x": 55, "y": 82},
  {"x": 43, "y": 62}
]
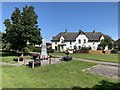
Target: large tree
[
  {"x": 107, "y": 41},
  {"x": 22, "y": 28}
]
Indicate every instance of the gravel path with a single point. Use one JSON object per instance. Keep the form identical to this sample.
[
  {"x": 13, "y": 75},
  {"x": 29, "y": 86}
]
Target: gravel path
[{"x": 104, "y": 70}]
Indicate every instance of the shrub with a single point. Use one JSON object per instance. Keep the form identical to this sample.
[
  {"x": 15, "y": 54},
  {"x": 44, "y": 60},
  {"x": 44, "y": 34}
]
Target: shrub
[
  {"x": 85, "y": 48},
  {"x": 89, "y": 48},
  {"x": 114, "y": 51},
  {"x": 50, "y": 50},
  {"x": 26, "y": 50},
  {"x": 37, "y": 49},
  {"x": 100, "y": 47},
  {"x": 30, "y": 47}
]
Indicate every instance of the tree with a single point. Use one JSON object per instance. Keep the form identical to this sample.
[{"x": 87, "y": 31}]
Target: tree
[
  {"x": 107, "y": 42},
  {"x": 22, "y": 28}
]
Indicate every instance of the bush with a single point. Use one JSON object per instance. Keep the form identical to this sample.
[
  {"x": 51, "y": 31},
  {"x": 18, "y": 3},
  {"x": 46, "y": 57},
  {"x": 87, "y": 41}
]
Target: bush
[
  {"x": 114, "y": 51},
  {"x": 85, "y": 48},
  {"x": 26, "y": 50},
  {"x": 50, "y": 50},
  {"x": 36, "y": 49},
  {"x": 30, "y": 47},
  {"x": 33, "y": 48},
  {"x": 100, "y": 47}
]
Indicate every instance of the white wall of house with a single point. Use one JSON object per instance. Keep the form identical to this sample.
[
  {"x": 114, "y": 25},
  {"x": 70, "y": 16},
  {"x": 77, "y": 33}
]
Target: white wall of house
[
  {"x": 93, "y": 45},
  {"x": 70, "y": 44},
  {"x": 101, "y": 38},
  {"x": 81, "y": 43}
]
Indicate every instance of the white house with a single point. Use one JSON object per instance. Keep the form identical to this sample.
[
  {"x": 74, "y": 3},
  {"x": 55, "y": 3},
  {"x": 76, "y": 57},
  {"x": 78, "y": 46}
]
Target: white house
[{"x": 69, "y": 40}]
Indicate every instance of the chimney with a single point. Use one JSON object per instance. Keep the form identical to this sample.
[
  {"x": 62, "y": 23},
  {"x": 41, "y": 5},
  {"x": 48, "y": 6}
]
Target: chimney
[
  {"x": 94, "y": 31},
  {"x": 80, "y": 31},
  {"x": 65, "y": 31}
]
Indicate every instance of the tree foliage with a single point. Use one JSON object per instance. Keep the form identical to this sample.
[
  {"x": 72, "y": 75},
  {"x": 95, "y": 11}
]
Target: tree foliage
[
  {"x": 22, "y": 28},
  {"x": 107, "y": 42}
]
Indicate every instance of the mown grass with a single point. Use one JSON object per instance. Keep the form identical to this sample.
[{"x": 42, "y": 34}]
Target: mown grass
[
  {"x": 64, "y": 75},
  {"x": 9, "y": 58},
  {"x": 98, "y": 57}
]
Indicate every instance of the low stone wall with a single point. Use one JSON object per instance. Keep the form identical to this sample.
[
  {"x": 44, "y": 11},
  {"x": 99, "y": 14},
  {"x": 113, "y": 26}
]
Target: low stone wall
[{"x": 81, "y": 51}]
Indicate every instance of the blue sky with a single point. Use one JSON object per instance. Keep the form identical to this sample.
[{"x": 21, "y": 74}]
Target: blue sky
[{"x": 55, "y": 17}]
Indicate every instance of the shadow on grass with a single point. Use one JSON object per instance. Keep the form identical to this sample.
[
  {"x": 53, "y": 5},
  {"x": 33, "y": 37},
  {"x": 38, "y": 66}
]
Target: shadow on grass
[
  {"x": 9, "y": 53},
  {"x": 102, "y": 85}
]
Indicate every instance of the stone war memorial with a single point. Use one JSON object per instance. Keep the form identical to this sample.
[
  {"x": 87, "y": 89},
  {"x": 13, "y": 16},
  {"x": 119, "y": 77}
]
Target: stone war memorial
[
  {"x": 42, "y": 56},
  {"x": 43, "y": 53}
]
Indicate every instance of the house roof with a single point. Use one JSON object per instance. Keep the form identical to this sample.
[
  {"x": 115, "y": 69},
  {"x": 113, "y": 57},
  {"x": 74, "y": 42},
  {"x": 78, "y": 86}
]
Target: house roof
[{"x": 71, "y": 36}]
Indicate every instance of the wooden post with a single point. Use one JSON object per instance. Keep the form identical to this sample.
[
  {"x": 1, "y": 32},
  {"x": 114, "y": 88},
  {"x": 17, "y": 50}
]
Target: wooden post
[
  {"x": 18, "y": 59},
  {"x": 24, "y": 61},
  {"x": 49, "y": 60},
  {"x": 50, "y": 56},
  {"x": 32, "y": 64}
]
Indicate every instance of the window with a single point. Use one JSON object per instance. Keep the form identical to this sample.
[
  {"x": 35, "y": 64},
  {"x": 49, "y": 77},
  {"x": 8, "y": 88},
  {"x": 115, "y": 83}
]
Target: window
[
  {"x": 55, "y": 42},
  {"x": 70, "y": 47},
  {"x": 70, "y": 43},
  {"x": 79, "y": 41},
  {"x": 79, "y": 47},
  {"x": 62, "y": 40},
  {"x": 55, "y": 48},
  {"x": 84, "y": 40}
]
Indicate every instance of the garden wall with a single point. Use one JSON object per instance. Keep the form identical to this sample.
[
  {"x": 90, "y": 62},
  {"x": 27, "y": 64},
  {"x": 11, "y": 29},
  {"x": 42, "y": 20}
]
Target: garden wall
[
  {"x": 107, "y": 52},
  {"x": 81, "y": 51}
]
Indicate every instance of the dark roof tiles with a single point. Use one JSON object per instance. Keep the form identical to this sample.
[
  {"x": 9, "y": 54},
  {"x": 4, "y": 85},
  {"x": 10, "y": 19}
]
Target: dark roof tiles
[{"x": 71, "y": 36}]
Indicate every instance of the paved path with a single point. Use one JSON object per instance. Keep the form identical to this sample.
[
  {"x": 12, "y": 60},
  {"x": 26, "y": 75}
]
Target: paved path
[
  {"x": 43, "y": 62},
  {"x": 104, "y": 70},
  {"x": 93, "y": 61},
  {"x": 4, "y": 63}
]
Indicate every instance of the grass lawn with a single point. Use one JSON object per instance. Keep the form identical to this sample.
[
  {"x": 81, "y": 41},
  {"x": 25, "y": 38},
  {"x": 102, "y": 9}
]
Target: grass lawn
[
  {"x": 97, "y": 57},
  {"x": 64, "y": 75},
  {"x": 8, "y": 58}
]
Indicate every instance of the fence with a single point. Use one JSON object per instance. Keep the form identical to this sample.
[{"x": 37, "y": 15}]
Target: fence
[{"x": 95, "y": 51}]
